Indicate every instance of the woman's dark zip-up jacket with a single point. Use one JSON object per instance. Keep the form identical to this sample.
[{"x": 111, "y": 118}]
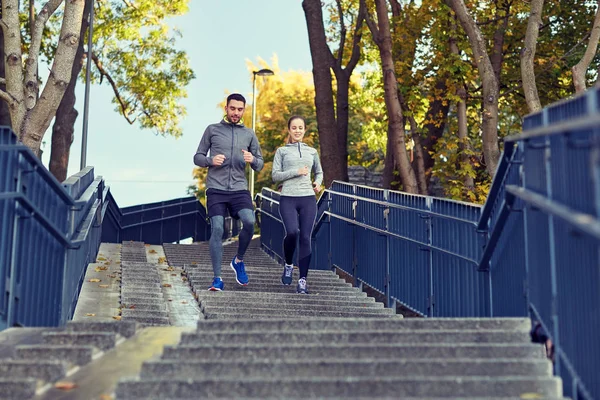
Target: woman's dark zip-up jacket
[{"x": 228, "y": 139}]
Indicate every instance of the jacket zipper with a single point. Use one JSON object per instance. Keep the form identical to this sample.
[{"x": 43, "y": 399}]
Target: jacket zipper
[
  {"x": 299, "y": 150},
  {"x": 231, "y": 161}
]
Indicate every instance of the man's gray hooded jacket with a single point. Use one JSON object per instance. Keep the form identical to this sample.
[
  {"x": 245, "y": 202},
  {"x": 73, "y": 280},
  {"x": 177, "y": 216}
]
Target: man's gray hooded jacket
[{"x": 228, "y": 139}]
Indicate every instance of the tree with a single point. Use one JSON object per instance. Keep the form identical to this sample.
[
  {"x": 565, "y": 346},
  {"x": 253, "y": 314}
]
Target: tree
[
  {"x": 30, "y": 111},
  {"x": 333, "y": 116},
  {"x": 580, "y": 69},
  {"x": 381, "y": 33},
  {"x": 135, "y": 53},
  {"x": 528, "y": 54},
  {"x": 489, "y": 78}
]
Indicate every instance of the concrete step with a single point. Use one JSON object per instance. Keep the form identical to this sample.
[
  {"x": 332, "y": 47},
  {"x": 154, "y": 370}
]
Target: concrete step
[
  {"x": 273, "y": 279},
  {"x": 292, "y": 301},
  {"x": 390, "y": 351},
  {"x": 282, "y": 297},
  {"x": 74, "y": 354},
  {"x": 17, "y": 388},
  {"x": 125, "y": 329},
  {"x": 300, "y": 312},
  {"x": 152, "y": 307},
  {"x": 44, "y": 370},
  {"x": 352, "y": 387},
  {"x": 140, "y": 279},
  {"x": 294, "y": 324},
  {"x": 274, "y": 269},
  {"x": 241, "y": 315},
  {"x": 146, "y": 319},
  {"x": 129, "y": 299},
  {"x": 357, "y": 336},
  {"x": 344, "y": 368},
  {"x": 101, "y": 340},
  {"x": 261, "y": 272},
  {"x": 126, "y": 312},
  {"x": 277, "y": 288}
]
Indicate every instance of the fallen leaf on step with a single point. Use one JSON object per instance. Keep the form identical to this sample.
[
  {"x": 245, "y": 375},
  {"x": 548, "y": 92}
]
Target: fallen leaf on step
[
  {"x": 531, "y": 396},
  {"x": 90, "y": 315},
  {"x": 64, "y": 385},
  {"x": 184, "y": 302},
  {"x": 101, "y": 259},
  {"x": 152, "y": 251},
  {"x": 106, "y": 397},
  {"x": 104, "y": 286},
  {"x": 167, "y": 285},
  {"x": 162, "y": 260},
  {"x": 184, "y": 279},
  {"x": 95, "y": 280},
  {"x": 170, "y": 269},
  {"x": 170, "y": 300},
  {"x": 117, "y": 317},
  {"x": 98, "y": 269},
  {"x": 173, "y": 274},
  {"x": 131, "y": 306},
  {"x": 112, "y": 276}
]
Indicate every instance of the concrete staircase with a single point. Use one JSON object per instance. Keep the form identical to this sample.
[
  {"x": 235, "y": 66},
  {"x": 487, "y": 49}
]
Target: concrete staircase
[
  {"x": 349, "y": 358},
  {"x": 54, "y": 354},
  {"x": 266, "y": 341}
]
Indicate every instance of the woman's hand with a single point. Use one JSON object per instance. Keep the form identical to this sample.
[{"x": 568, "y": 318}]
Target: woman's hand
[
  {"x": 316, "y": 187},
  {"x": 303, "y": 171}
]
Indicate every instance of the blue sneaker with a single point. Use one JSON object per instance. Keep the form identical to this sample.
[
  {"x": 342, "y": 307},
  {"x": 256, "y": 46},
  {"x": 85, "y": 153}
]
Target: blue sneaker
[
  {"x": 240, "y": 272},
  {"x": 217, "y": 285},
  {"x": 286, "y": 277},
  {"x": 302, "y": 287}
]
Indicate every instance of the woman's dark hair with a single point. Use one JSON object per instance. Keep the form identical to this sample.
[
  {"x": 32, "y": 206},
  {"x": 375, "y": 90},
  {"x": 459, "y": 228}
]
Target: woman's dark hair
[
  {"x": 293, "y": 117},
  {"x": 236, "y": 96}
]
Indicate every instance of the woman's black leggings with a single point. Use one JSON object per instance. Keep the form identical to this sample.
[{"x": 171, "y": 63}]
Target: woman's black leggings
[{"x": 298, "y": 216}]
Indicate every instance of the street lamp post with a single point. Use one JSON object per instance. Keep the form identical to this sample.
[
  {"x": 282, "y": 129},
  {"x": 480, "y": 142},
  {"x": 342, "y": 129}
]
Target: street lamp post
[
  {"x": 86, "y": 101},
  {"x": 262, "y": 72}
]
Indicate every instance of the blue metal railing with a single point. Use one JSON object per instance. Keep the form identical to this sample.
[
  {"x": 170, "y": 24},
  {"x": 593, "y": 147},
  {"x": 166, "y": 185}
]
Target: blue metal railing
[
  {"x": 532, "y": 250},
  {"x": 50, "y": 232},
  {"x": 545, "y": 235},
  {"x": 158, "y": 223},
  {"x": 396, "y": 244}
]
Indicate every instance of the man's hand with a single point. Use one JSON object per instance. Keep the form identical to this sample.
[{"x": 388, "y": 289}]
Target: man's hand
[
  {"x": 303, "y": 170},
  {"x": 218, "y": 160},
  {"x": 248, "y": 157}
]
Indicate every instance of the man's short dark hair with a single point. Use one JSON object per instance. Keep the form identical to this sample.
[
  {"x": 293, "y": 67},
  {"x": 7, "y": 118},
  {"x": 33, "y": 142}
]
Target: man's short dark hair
[{"x": 236, "y": 96}]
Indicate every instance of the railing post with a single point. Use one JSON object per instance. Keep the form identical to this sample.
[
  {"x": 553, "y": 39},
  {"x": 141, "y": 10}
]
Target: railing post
[
  {"x": 552, "y": 247},
  {"x": 329, "y": 250},
  {"x": 386, "y": 213},
  {"x": 431, "y": 300}
]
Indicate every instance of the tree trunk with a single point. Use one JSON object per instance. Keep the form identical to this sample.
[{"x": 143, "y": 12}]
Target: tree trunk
[
  {"x": 489, "y": 126},
  {"x": 463, "y": 135},
  {"x": 32, "y": 113},
  {"x": 4, "y": 112},
  {"x": 389, "y": 163},
  {"x": 461, "y": 110},
  {"x": 342, "y": 115},
  {"x": 383, "y": 39},
  {"x": 322, "y": 64},
  {"x": 418, "y": 162},
  {"x": 580, "y": 70},
  {"x": 497, "y": 56},
  {"x": 66, "y": 114},
  {"x": 532, "y": 97},
  {"x": 438, "y": 113}
]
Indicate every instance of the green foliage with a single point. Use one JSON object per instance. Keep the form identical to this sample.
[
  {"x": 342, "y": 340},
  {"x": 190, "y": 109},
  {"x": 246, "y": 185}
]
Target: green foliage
[{"x": 137, "y": 50}]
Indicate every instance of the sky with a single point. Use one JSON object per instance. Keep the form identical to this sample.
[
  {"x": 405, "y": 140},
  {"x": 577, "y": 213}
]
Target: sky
[{"x": 219, "y": 37}]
